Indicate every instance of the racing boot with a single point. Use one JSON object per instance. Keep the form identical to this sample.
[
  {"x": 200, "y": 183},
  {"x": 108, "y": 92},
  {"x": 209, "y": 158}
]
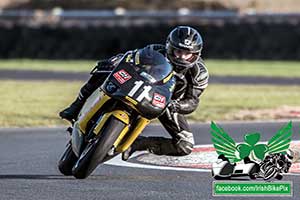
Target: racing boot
[{"x": 71, "y": 113}]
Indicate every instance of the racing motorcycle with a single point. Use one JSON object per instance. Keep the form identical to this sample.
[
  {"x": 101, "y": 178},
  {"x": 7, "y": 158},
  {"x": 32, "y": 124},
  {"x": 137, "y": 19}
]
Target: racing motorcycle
[
  {"x": 135, "y": 92},
  {"x": 274, "y": 165}
]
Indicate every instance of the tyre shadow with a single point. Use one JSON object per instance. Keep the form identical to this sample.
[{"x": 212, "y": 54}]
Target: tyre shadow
[{"x": 35, "y": 176}]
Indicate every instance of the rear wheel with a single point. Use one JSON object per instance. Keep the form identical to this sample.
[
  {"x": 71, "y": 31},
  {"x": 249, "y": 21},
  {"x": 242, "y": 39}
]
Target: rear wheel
[
  {"x": 97, "y": 148},
  {"x": 67, "y": 161}
]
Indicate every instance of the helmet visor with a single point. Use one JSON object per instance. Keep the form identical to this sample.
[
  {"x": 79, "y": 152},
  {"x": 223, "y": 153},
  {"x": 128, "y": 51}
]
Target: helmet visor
[{"x": 185, "y": 55}]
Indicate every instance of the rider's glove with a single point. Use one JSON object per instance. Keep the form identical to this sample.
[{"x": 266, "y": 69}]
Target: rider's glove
[{"x": 173, "y": 106}]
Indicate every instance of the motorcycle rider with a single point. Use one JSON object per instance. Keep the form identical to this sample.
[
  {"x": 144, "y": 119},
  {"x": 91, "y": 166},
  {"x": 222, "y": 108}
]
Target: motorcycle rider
[{"x": 183, "y": 50}]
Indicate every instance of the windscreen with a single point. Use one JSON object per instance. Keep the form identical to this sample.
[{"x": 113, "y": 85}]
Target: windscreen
[{"x": 158, "y": 72}]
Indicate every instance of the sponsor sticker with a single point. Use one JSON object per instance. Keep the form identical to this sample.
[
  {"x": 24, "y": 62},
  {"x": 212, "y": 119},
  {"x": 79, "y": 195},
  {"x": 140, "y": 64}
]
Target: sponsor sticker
[
  {"x": 122, "y": 76},
  {"x": 159, "y": 100}
]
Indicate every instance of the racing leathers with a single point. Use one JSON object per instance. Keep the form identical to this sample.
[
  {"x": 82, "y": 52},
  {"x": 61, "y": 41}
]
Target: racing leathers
[{"x": 190, "y": 84}]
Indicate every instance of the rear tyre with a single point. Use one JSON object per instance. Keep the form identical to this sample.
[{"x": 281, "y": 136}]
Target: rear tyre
[
  {"x": 96, "y": 150},
  {"x": 67, "y": 161}
]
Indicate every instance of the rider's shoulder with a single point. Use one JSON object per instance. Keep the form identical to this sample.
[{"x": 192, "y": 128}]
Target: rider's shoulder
[{"x": 199, "y": 71}]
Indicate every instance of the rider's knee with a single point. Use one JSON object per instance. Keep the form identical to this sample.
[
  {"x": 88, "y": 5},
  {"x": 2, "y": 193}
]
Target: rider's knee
[
  {"x": 185, "y": 143},
  {"x": 184, "y": 148}
]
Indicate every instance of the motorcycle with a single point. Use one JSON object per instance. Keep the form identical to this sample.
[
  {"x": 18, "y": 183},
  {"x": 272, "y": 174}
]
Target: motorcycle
[
  {"x": 275, "y": 165},
  {"x": 137, "y": 91}
]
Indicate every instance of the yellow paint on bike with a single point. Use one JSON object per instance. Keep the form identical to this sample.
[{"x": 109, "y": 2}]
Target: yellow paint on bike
[
  {"x": 131, "y": 100},
  {"x": 168, "y": 77},
  {"x": 141, "y": 124},
  {"x": 99, "y": 126},
  {"x": 84, "y": 119},
  {"x": 137, "y": 58},
  {"x": 119, "y": 114},
  {"x": 121, "y": 136},
  {"x": 129, "y": 58}
]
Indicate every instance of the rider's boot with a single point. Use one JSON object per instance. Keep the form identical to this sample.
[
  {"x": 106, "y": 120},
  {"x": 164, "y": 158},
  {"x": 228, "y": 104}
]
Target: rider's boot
[
  {"x": 95, "y": 81},
  {"x": 71, "y": 113},
  {"x": 73, "y": 110}
]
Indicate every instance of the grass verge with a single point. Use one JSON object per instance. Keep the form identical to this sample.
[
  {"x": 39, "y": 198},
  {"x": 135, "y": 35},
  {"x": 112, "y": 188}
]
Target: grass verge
[
  {"x": 215, "y": 67},
  {"x": 30, "y": 104},
  {"x": 223, "y": 102},
  {"x": 49, "y": 65}
]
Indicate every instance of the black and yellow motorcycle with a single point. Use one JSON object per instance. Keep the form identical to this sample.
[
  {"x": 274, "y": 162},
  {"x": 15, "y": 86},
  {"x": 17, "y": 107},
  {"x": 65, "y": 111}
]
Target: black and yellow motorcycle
[{"x": 135, "y": 92}]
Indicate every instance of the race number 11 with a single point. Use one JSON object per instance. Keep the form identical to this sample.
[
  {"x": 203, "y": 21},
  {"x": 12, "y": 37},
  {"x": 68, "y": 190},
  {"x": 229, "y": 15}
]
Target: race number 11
[{"x": 145, "y": 93}]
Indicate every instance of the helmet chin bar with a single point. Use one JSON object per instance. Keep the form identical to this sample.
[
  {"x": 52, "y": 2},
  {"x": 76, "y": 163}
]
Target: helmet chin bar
[{"x": 181, "y": 66}]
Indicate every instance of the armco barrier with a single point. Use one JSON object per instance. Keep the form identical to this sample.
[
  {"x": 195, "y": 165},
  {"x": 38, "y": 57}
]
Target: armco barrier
[{"x": 243, "y": 40}]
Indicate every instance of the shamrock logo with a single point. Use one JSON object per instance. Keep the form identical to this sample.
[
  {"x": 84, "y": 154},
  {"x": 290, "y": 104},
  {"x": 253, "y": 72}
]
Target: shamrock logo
[
  {"x": 251, "y": 145},
  {"x": 225, "y": 145}
]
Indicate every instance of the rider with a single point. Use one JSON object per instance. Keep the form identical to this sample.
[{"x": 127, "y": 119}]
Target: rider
[{"x": 183, "y": 50}]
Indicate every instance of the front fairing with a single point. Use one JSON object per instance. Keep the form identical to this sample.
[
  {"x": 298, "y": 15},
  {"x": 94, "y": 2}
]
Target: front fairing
[{"x": 149, "y": 99}]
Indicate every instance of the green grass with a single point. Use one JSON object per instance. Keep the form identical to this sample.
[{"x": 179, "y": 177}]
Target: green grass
[
  {"x": 27, "y": 104},
  {"x": 254, "y": 68},
  {"x": 52, "y": 65},
  {"x": 215, "y": 67},
  {"x": 222, "y": 102}
]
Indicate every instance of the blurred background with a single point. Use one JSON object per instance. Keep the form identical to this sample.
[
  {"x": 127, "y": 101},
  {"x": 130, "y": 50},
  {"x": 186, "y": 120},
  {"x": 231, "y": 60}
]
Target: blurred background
[
  {"x": 92, "y": 29},
  {"x": 251, "y": 48}
]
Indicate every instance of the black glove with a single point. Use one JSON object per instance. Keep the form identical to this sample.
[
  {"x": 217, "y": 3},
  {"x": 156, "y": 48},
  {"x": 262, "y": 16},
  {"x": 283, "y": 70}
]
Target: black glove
[
  {"x": 173, "y": 106},
  {"x": 102, "y": 65}
]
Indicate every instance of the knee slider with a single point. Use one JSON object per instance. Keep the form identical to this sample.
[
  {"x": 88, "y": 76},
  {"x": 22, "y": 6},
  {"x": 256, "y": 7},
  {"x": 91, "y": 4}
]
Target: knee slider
[
  {"x": 184, "y": 147},
  {"x": 185, "y": 143}
]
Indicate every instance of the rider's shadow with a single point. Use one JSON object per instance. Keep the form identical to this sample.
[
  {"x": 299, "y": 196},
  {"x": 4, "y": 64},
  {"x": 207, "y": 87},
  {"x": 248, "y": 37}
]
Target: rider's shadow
[{"x": 62, "y": 177}]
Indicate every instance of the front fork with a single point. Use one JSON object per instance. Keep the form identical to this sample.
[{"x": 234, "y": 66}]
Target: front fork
[
  {"x": 139, "y": 127},
  {"x": 125, "y": 139},
  {"x": 126, "y": 136}
]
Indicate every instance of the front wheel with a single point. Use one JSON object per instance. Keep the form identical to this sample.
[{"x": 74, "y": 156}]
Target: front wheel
[
  {"x": 67, "y": 161},
  {"x": 96, "y": 150},
  {"x": 270, "y": 172}
]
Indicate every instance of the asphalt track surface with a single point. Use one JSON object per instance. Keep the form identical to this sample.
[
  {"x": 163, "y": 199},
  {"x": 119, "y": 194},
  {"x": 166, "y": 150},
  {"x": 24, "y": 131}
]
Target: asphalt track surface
[
  {"x": 28, "y": 169},
  {"x": 83, "y": 76}
]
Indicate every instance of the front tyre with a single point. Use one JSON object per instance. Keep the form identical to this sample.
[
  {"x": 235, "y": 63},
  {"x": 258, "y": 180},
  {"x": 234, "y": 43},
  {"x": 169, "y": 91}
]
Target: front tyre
[
  {"x": 96, "y": 150},
  {"x": 271, "y": 171},
  {"x": 67, "y": 161}
]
